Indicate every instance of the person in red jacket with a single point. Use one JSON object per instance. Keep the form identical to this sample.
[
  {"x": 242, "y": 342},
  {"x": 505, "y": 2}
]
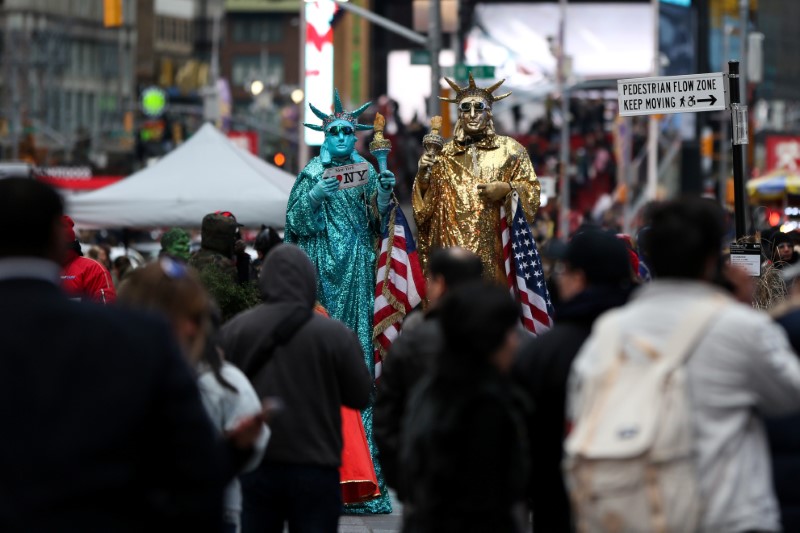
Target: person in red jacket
[{"x": 84, "y": 278}]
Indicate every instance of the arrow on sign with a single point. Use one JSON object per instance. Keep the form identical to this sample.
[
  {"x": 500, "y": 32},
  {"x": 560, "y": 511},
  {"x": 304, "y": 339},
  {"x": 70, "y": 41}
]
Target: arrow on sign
[{"x": 711, "y": 98}]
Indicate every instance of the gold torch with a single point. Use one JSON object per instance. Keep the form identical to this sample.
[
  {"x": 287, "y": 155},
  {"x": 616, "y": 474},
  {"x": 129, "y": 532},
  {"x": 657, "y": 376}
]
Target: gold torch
[{"x": 433, "y": 144}]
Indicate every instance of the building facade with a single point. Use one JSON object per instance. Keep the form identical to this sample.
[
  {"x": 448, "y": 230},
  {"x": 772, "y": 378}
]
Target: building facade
[{"x": 66, "y": 80}]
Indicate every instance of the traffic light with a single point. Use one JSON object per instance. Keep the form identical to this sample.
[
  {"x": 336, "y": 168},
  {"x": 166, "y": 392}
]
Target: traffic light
[
  {"x": 279, "y": 159},
  {"x": 112, "y": 13}
]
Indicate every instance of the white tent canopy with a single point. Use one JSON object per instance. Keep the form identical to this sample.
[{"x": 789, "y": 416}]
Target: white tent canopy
[{"x": 205, "y": 174}]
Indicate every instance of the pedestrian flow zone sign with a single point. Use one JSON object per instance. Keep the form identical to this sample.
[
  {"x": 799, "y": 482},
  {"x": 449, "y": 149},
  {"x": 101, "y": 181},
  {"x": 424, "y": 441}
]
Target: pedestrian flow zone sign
[{"x": 671, "y": 94}]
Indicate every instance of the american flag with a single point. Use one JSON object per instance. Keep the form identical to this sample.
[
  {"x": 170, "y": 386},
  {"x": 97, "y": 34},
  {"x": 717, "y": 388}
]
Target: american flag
[
  {"x": 524, "y": 270},
  {"x": 399, "y": 284}
]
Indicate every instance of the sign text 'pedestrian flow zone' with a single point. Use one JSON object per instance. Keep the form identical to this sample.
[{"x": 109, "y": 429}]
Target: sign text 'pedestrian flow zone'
[{"x": 671, "y": 94}]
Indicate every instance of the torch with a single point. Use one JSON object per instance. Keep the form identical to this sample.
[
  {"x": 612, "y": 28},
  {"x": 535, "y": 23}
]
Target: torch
[
  {"x": 433, "y": 143},
  {"x": 380, "y": 147}
]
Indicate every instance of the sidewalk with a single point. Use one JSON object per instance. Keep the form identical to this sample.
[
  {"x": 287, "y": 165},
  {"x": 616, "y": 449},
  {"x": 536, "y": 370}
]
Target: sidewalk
[{"x": 379, "y": 523}]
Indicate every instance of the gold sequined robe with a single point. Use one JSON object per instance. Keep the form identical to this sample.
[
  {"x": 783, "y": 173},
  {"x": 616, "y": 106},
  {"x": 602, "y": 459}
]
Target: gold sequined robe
[{"x": 452, "y": 214}]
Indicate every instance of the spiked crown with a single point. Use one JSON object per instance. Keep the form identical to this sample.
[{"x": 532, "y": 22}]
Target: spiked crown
[
  {"x": 474, "y": 90},
  {"x": 339, "y": 113}
]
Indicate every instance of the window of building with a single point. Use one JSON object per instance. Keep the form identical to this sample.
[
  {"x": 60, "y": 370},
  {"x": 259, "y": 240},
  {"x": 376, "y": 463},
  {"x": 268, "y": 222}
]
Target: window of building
[
  {"x": 77, "y": 113},
  {"x": 267, "y": 68},
  {"x": 262, "y": 29},
  {"x": 169, "y": 29}
]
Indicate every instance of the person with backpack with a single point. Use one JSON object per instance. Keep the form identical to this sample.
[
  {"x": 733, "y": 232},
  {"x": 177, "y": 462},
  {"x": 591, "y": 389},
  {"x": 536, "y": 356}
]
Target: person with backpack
[
  {"x": 313, "y": 365},
  {"x": 666, "y": 396},
  {"x": 593, "y": 275}
]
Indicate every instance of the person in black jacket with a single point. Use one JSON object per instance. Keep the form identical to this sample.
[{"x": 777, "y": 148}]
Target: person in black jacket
[
  {"x": 94, "y": 439},
  {"x": 593, "y": 275},
  {"x": 463, "y": 452},
  {"x": 784, "y": 433},
  {"x": 313, "y": 365},
  {"x": 413, "y": 353}
]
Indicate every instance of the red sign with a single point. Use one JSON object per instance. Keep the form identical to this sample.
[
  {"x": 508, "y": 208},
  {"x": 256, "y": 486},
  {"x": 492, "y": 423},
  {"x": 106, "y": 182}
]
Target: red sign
[
  {"x": 79, "y": 184},
  {"x": 783, "y": 152},
  {"x": 247, "y": 140}
]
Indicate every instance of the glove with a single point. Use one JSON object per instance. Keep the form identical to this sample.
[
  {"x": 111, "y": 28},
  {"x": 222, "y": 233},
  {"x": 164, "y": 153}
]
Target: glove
[
  {"x": 494, "y": 191},
  {"x": 323, "y": 188},
  {"x": 386, "y": 183}
]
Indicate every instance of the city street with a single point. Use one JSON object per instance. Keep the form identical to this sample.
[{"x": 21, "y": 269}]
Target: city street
[{"x": 381, "y": 523}]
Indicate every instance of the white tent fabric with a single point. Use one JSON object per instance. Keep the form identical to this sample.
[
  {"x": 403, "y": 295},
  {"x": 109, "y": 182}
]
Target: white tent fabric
[{"x": 207, "y": 173}]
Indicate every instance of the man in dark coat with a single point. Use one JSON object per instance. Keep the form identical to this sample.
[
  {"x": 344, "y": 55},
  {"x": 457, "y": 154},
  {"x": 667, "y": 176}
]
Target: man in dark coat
[
  {"x": 594, "y": 275},
  {"x": 314, "y": 365},
  {"x": 103, "y": 428},
  {"x": 412, "y": 354},
  {"x": 784, "y": 433}
]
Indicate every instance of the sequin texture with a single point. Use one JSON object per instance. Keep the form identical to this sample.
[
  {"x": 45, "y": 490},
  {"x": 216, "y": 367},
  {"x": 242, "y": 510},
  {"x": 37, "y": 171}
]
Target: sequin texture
[{"x": 451, "y": 213}]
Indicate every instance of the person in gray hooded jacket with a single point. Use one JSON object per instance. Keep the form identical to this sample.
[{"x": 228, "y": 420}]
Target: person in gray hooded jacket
[{"x": 313, "y": 365}]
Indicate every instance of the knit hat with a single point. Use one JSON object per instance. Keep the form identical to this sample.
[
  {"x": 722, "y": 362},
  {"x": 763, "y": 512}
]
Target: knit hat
[
  {"x": 781, "y": 238},
  {"x": 601, "y": 256},
  {"x": 218, "y": 233},
  {"x": 229, "y": 215},
  {"x": 175, "y": 243},
  {"x": 69, "y": 229}
]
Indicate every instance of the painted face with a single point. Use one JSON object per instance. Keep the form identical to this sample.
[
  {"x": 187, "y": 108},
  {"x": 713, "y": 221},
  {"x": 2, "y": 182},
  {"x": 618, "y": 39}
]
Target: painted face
[
  {"x": 474, "y": 114},
  {"x": 340, "y": 138}
]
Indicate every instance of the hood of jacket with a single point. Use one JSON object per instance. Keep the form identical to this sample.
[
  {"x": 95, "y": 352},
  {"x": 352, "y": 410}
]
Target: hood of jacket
[
  {"x": 218, "y": 234},
  {"x": 288, "y": 276}
]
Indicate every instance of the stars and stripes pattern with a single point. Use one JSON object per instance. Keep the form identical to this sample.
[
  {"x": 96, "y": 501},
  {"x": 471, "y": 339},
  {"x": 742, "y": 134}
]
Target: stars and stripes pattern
[
  {"x": 524, "y": 270},
  {"x": 399, "y": 285}
]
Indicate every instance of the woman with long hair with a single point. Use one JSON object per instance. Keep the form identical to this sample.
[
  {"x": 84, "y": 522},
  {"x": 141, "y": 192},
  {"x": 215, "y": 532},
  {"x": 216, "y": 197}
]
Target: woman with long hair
[
  {"x": 174, "y": 290},
  {"x": 464, "y": 449}
]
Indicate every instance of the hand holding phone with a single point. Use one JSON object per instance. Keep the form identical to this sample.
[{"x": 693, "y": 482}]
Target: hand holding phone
[{"x": 247, "y": 430}]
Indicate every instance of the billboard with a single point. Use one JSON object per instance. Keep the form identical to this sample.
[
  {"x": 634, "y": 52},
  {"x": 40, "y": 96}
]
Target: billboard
[
  {"x": 318, "y": 61},
  {"x": 783, "y": 152},
  {"x": 605, "y": 41}
]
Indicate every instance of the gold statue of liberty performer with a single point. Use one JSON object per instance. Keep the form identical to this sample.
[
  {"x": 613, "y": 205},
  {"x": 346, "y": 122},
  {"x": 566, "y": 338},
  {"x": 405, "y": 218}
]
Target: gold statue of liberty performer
[{"x": 457, "y": 194}]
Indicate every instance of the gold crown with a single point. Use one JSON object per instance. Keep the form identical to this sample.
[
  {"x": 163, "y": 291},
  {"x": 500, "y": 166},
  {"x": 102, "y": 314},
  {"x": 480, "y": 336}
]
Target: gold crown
[{"x": 474, "y": 90}]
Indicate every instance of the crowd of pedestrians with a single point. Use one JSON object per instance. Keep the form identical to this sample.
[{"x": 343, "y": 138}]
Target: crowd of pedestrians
[{"x": 662, "y": 405}]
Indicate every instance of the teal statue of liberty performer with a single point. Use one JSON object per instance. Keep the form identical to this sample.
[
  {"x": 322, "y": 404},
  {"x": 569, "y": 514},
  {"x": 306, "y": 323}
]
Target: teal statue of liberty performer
[{"x": 337, "y": 209}]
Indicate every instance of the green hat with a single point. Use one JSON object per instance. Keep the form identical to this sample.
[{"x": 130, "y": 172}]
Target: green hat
[{"x": 175, "y": 243}]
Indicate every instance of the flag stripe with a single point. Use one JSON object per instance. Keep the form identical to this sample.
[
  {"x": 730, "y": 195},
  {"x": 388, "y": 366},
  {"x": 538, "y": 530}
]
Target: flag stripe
[
  {"x": 524, "y": 270},
  {"x": 399, "y": 284}
]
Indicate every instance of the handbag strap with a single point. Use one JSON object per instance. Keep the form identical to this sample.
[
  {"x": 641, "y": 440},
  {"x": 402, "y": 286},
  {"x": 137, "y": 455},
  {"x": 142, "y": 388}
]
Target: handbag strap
[{"x": 281, "y": 334}]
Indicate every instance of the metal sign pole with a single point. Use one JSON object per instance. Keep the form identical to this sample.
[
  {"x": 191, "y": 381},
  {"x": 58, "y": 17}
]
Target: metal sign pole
[
  {"x": 739, "y": 140},
  {"x": 434, "y": 46}
]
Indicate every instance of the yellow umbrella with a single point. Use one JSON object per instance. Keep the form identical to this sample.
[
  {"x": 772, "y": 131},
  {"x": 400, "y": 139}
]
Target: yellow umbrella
[{"x": 775, "y": 185}]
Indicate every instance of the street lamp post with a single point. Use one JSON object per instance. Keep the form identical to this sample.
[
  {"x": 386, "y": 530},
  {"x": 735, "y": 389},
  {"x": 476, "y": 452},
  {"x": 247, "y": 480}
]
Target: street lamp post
[
  {"x": 433, "y": 41},
  {"x": 434, "y": 45},
  {"x": 561, "y": 80}
]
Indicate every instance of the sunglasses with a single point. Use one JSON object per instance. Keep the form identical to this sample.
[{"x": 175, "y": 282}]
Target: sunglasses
[
  {"x": 466, "y": 106},
  {"x": 336, "y": 130}
]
